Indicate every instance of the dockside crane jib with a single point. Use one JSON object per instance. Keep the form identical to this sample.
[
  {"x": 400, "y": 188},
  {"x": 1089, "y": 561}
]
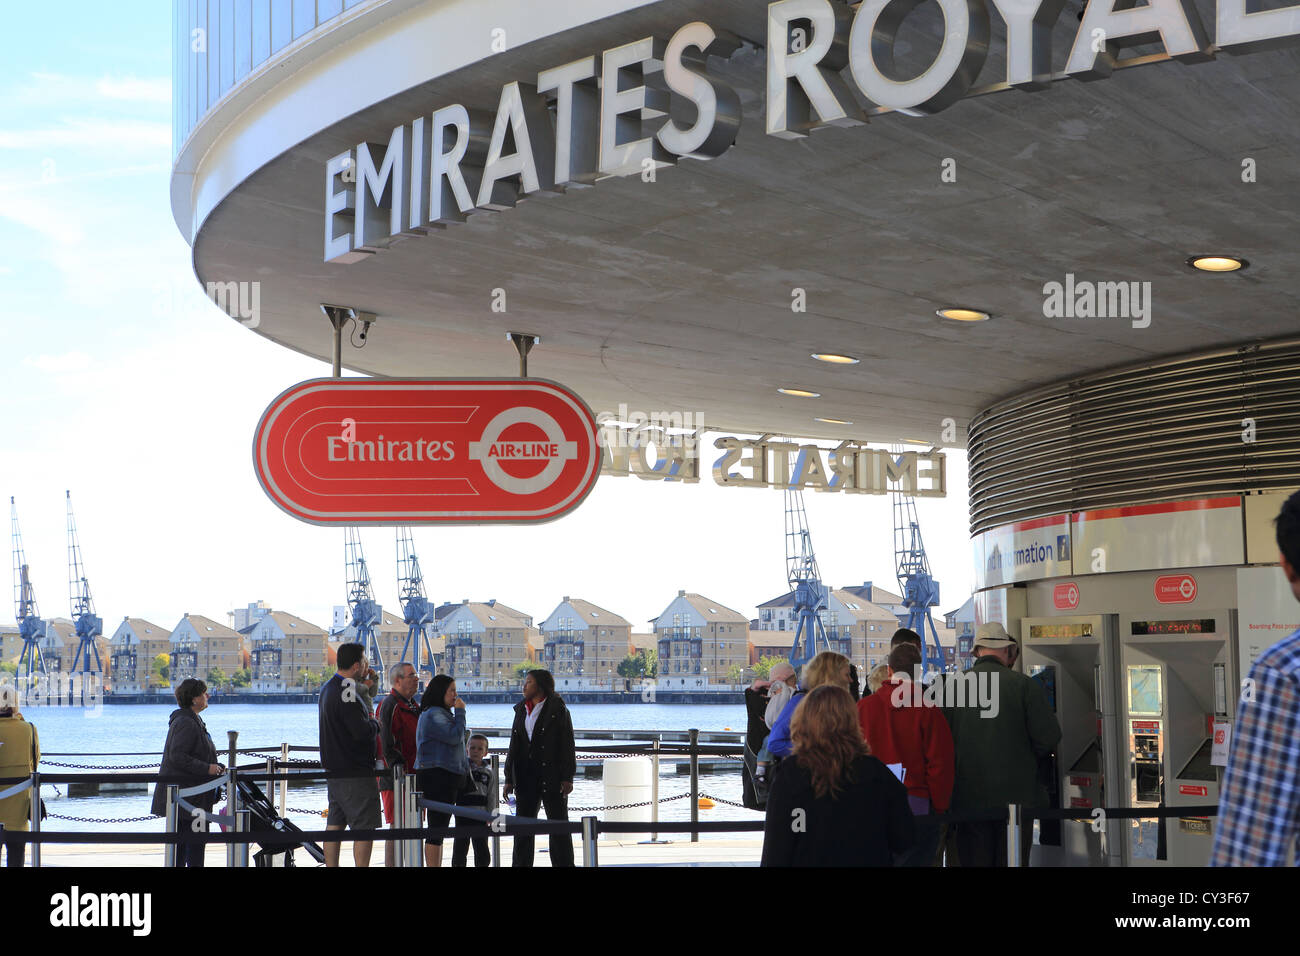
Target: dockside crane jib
[
  {"x": 87, "y": 624},
  {"x": 417, "y": 609},
  {"x": 806, "y": 582},
  {"x": 366, "y": 613},
  {"x": 31, "y": 629},
  {"x": 919, "y": 588}
]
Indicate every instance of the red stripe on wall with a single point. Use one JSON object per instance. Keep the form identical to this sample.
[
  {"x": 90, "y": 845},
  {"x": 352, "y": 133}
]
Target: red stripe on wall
[{"x": 1200, "y": 504}]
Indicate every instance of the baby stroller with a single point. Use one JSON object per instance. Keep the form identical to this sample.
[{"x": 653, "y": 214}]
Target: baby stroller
[{"x": 262, "y": 819}]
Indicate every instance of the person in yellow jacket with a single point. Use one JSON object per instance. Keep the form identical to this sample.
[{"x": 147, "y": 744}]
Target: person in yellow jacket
[{"x": 20, "y": 750}]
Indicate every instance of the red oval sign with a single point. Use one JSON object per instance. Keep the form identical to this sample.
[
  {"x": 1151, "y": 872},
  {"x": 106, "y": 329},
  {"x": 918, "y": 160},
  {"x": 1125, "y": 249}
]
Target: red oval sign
[
  {"x": 1175, "y": 589},
  {"x": 426, "y": 451},
  {"x": 1065, "y": 597}
]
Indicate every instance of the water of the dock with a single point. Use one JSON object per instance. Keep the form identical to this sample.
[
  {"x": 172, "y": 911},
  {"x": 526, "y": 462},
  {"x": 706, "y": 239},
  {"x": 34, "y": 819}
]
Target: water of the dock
[{"x": 681, "y": 852}]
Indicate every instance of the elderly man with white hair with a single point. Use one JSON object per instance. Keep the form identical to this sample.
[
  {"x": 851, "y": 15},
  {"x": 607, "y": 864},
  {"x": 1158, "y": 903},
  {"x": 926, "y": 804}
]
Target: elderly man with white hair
[{"x": 764, "y": 701}]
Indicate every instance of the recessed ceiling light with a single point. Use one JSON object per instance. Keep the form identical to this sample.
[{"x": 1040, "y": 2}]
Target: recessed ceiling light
[
  {"x": 963, "y": 315},
  {"x": 835, "y": 358},
  {"x": 833, "y": 421},
  {"x": 799, "y": 392},
  {"x": 1217, "y": 263}
]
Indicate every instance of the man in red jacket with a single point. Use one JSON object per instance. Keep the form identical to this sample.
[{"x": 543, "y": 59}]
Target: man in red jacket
[
  {"x": 899, "y": 729},
  {"x": 398, "y": 716}
]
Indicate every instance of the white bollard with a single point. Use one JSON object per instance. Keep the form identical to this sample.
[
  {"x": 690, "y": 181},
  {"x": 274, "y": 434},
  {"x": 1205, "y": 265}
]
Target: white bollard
[{"x": 627, "y": 780}]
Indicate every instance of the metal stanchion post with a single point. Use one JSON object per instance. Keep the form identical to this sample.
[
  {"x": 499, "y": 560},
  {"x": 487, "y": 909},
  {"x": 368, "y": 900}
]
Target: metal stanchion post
[
  {"x": 654, "y": 790},
  {"x": 695, "y": 783},
  {"x": 496, "y": 782},
  {"x": 36, "y": 816},
  {"x": 241, "y": 849},
  {"x": 232, "y": 792},
  {"x": 284, "y": 784},
  {"x": 415, "y": 847},
  {"x": 589, "y": 841},
  {"x": 231, "y": 760},
  {"x": 1013, "y": 835},
  {"x": 399, "y": 814},
  {"x": 173, "y": 809}
]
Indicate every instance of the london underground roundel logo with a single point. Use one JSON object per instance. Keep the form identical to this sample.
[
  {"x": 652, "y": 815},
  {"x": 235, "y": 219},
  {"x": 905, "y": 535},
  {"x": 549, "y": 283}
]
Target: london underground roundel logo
[
  {"x": 552, "y": 452},
  {"x": 1175, "y": 589},
  {"x": 427, "y": 451},
  {"x": 1065, "y": 597}
]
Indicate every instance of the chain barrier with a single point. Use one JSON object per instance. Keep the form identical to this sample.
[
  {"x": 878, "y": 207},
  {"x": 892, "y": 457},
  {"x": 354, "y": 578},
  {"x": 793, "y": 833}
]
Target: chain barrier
[
  {"x": 730, "y": 803},
  {"x": 278, "y": 759},
  {"x": 631, "y": 806},
  {"x": 60, "y": 816},
  {"x": 91, "y": 766}
]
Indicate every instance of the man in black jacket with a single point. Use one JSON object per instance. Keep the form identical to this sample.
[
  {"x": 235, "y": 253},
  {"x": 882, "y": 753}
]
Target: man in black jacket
[
  {"x": 540, "y": 764},
  {"x": 347, "y": 743}
]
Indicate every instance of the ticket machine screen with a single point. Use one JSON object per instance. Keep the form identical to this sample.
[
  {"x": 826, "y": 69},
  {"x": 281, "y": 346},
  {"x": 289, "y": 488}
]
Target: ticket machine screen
[{"x": 1145, "y": 691}]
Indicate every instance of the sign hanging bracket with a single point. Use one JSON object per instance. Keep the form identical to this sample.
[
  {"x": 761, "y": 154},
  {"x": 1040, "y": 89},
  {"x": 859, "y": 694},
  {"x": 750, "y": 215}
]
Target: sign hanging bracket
[
  {"x": 523, "y": 342},
  {"x": 339, "y": 316}
]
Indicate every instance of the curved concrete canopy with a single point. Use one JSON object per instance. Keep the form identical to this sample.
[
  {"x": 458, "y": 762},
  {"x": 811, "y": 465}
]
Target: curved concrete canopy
[{"x": 676, "y": 294}]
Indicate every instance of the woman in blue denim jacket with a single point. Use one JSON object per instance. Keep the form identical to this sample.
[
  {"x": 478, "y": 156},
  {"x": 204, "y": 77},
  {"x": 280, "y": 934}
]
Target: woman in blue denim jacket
[{"x": 440, "y": 761}]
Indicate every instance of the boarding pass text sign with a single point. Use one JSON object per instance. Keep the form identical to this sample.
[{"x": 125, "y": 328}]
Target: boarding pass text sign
[{"x": 427, "y": 451}]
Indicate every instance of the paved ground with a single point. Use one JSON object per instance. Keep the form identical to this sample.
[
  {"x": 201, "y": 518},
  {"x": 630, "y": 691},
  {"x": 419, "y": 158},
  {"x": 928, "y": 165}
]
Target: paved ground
[{"x": 708, "y": 852}]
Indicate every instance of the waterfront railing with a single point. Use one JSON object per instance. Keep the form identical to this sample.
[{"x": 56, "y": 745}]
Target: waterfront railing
[{"x": 408, "y": 831}]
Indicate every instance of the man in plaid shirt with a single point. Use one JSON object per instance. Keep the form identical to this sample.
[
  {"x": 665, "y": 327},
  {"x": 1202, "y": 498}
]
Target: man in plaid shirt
[{"x": 1259, "y": 811}]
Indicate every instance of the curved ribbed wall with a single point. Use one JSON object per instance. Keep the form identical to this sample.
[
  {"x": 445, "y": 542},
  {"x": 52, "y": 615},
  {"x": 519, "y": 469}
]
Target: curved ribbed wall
[
  {"x": 1159, "y": 431},
  {"x": 217, "y": 43}
]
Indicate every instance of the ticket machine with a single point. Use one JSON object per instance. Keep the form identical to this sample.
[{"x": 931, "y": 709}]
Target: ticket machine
[
  {"x": 1178, "y": 678},
  {"x": 1075, "y": 659}
]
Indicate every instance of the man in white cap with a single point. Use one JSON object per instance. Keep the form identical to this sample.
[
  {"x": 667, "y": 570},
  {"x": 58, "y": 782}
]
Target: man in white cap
[{"x": 997, "y": 746}]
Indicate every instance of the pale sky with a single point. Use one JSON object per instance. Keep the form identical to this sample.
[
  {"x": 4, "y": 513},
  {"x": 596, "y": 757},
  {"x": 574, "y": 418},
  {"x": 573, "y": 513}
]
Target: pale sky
[{"x": 123, "y": 383}]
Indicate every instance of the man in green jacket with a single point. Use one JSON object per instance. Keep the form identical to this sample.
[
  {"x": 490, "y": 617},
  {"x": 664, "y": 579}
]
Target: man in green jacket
[{"x": 1001, "y": 726}]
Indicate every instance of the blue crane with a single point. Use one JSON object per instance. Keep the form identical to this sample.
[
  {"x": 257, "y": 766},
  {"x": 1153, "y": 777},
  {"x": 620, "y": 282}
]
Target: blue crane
[
  {"x": 805, "y": 580},
  {"x": 31, "y": 628},
  {"x": 417, "y": 609},
  {"x": 87, "y": 624},
  {"x": 366, "y": 614},
  {"x": 919, "y": 588}
]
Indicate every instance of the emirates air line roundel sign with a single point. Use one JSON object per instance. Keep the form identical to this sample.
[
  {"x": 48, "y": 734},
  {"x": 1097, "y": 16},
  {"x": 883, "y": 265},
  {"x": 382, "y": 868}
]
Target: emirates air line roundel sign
[{"x": 427, "y": 451}]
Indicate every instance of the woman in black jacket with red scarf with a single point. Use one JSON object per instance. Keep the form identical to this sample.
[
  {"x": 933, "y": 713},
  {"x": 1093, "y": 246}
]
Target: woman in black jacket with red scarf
[{"x": 540, "y": 764}]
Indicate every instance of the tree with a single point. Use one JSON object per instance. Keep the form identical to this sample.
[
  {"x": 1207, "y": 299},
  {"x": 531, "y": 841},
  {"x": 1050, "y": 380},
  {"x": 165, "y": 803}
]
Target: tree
[
  {"x": 644, "y": 663},
  {"x": 522, "y": 668},
  {"x": 241, "y": 678},
  {"x": 160, "y": 671},
  {"x": 763, "y": 668},
  {"x": 217, "y": 677},
  {"x": 8, "y": 667},
  {"x": 736, "y": 674}
]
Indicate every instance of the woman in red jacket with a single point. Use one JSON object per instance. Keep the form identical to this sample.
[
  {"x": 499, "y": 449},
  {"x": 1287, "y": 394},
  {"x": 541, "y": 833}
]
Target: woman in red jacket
[{"x": 900, "y": 730}]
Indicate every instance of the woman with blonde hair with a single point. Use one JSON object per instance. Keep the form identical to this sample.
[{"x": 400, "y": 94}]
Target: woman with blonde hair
[
  {"x": 834, "y": 804},
  {"x": 876, "y": 679},
  {"x": 827, "y": 667}
]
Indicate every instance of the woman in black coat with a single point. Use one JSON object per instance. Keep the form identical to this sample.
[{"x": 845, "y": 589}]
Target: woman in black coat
[
  {"x": 832, "y": 803},
  {"x": 190, "y": 754}
]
